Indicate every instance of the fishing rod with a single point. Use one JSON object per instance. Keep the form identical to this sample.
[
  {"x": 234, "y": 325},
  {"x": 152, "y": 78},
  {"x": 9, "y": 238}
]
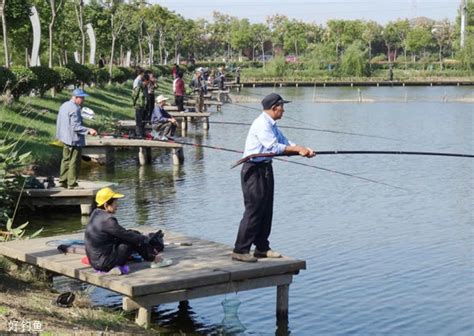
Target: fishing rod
[
  {"x": 271, "y": 155},
  {"x": 294, "y": 162},
  {"x": 317, "y": 129}
]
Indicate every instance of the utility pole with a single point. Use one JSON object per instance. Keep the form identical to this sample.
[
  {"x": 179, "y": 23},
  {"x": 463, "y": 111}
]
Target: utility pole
[{"x": 463, "y": 21}]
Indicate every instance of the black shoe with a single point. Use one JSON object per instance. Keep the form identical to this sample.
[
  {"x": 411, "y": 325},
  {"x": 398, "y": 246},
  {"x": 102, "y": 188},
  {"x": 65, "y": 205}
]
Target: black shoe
[
  {"x": 65, "y": 300},
  {"x": 63, "y": 248}
]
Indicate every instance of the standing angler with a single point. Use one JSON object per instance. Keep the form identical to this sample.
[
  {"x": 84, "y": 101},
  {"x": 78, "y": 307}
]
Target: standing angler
[
  {"x": 257, "y": 180},
  {"x": 71, "y": 132}
]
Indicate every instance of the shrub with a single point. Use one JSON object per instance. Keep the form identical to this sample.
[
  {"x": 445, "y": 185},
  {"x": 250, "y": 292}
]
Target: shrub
[
  {"x": 118, "y": 75},
  {"x": 66, "y": 77},
  {"x": 276, "y": 67},
  {"x": 24, "y": 80},
  {"x": 47, "y": 78},
  {"x": 129, "y": 72},
  {"x": 7, "y": 79},
  {"x": 83, "y": 74},
  {"x": 379, "y": 58},
  {"x": 100, "y": 76}
]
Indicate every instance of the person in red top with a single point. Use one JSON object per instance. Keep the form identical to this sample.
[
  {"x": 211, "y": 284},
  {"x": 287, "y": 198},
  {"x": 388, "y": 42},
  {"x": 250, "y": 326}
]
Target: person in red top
[{"x": 179, "y": 91}]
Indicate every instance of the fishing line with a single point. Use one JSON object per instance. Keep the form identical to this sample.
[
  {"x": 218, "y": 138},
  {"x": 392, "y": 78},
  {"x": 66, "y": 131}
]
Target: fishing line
[
  {"x": 317, "y": 129},
  {"x": 294, "y": 162}
]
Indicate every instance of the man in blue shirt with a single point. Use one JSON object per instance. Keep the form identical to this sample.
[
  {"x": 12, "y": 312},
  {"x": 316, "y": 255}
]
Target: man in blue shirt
[
  {"x": 162, "y": 121},
  {"x": 71, "y": 132},
  {"x": 257, "y": 180}
]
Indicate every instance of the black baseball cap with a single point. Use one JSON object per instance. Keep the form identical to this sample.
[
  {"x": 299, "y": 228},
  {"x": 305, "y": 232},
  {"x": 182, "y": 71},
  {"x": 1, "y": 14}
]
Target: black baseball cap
[{"x": 273, "y": 99}]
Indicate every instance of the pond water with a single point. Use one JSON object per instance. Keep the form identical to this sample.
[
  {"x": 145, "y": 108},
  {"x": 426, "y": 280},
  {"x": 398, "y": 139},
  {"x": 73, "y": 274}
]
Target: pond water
[{"x": 380, "y": 260}]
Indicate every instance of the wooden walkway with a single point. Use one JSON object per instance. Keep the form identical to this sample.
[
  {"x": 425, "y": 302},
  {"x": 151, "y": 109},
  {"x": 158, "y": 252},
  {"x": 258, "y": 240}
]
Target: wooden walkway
[
  {"x": 276, "y": 83},
  {"x": 84, "y": 197},
  {"x": 185, "y": 117},
  {"x": 201, "y": 270},
  {"x": 106, "y": 147}
]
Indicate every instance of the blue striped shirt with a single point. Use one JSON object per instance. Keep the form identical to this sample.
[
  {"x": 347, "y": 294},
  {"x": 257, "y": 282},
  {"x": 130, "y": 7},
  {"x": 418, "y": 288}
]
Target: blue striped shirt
[{"x": 265, "y": 137}]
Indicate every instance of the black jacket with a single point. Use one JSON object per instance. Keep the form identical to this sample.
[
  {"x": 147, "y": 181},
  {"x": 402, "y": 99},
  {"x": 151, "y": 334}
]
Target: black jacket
[{"x": 103, "y": 235}]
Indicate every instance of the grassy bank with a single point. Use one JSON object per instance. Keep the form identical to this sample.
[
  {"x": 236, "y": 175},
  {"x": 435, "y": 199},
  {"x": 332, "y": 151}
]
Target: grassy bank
[{"x": 27, "y": 297}]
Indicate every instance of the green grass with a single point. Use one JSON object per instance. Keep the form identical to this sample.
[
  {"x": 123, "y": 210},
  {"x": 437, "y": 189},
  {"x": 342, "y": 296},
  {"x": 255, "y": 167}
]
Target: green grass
[
  {"x": 4, "y": 310},
  {"x": 33, "y": 119}
]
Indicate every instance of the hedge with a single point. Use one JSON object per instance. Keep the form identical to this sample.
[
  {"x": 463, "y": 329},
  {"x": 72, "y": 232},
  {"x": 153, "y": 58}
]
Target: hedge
[
  {"x": 46, "y": 78},
  {"x": 66, "y": 77},
  {"x": 83, "y": 74},
  {"x": 7, "y": 79},
  {"x": 25, "y": 80}
]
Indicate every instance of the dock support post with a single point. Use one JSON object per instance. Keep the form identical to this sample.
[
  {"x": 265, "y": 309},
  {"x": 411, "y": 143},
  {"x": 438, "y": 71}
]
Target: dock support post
[
  {"x": 205, "y": 124},
  {"x": 144, "y": 155},
  {"x": 184, "y": 124},
  {"x": 178, "y": 156},
  {"x": 143, "y": 317},
  {"x": 282, "y": 302},
  {"x": 86, "y": 209},
  {"x": 109, "y": 155}
]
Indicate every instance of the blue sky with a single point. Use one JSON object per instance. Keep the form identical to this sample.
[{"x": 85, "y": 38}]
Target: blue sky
[{"x": 318, "y": 11}]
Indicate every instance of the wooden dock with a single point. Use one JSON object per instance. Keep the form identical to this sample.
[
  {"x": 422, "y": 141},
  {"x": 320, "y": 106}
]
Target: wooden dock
[
  {"x": 207, "y": 103},
  {"x": 83, "y": 196},
  {"x": 106, "y": 147},
  {"x": 184, "y": 117},
  {"x": 201, "y": 270}
]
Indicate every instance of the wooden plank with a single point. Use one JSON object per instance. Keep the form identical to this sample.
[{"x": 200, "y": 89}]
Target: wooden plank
[
  {"x": 88, "y": 188},
  {"x": 130, "y": 143},
  {"x": 205, "y": 291}
]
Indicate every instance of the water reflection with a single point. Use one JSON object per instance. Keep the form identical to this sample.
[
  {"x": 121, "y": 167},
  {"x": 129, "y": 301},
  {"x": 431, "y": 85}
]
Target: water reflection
[{"x": 184, "y": 319}]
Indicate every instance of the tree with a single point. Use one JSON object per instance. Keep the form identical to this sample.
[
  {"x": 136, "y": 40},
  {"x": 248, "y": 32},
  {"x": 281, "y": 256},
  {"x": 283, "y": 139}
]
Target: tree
[
  {"x": 334, "y": 32},
  {"x": 417, "y": 40},
  {"x": 15, "y": 22},
  {"x": 443, "y": 34},
  {"x": 262, "y": 34},
  {"x": 354, "y": 60},
  {"x": 372, "y": 32},
  {"x": 241, "y": 35},
  {"x": 4, "y": 31},
  {"x": 277, "y": 25},
  {"x": 79, "y": 8},
  {"x": 118, "y": 14},
  {"x": 295, "y": 38},
  {"x": 55, "y": 6}
]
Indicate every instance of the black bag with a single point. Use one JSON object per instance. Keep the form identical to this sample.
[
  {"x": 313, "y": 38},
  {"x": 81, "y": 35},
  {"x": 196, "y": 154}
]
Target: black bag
[{"x": 157, "y": 241}]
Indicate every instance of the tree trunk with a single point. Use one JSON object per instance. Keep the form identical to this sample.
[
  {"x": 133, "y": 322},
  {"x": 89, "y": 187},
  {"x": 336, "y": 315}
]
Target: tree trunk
[
  {"x": 140, "y": 56},
  {"x": 263, "y": 54},
  {"x": 51, "y": 24},
  {"x": 111, "y": 62},
  {"x": 5, "y": 36},
  {"x": 441, "y": 58},
  {"x": 405, "y": 56},
  {"x": 370, "y": 55}
]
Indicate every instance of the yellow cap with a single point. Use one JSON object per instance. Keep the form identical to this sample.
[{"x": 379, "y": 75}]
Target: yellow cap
[{"x": 105, "y": 194}]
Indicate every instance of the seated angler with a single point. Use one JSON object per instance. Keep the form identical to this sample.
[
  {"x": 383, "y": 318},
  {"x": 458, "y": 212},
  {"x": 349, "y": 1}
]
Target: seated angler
[
  {"x": 162, "y": 122},
  {"x": 110, "y": 245}
]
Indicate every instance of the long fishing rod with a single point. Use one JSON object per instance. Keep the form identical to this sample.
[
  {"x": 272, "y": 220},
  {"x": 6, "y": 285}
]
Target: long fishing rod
[
  {"x": 271, "y": 155},
  {"x": 317, "y": 129},
  {"x": 294, "y": 162}
]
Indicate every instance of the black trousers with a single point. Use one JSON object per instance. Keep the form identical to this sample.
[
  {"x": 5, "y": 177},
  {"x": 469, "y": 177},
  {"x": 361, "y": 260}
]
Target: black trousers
[
  {"x": 123, "y": 251},
  {"x": 256, "y": 224},
  {"x": 140, "y": 115},
  {"x": 179, "y": 102}
]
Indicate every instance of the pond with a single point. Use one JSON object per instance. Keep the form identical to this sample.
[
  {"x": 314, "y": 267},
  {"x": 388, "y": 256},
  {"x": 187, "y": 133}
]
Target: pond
[{"x": 380, "y": 260}]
